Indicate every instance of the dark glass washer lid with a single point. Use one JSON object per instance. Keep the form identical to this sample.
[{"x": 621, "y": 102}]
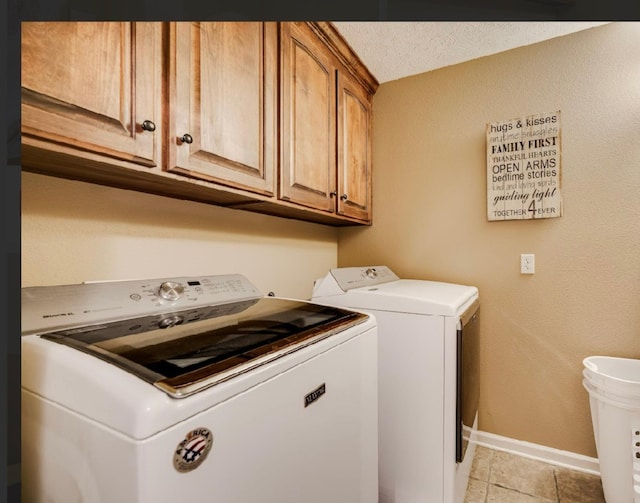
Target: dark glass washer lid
[{"x": 187, "y": 351}]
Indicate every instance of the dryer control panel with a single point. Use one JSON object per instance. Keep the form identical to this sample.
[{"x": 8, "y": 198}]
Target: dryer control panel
[{"x": 358, "y": 277}]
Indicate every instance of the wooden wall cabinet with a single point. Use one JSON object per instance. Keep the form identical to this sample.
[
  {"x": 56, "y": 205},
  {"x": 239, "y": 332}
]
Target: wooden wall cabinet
[
  {"x": 223, "y": 87},
  {"x": 199, "y": 111},
  {"x": 354, "y": 149},
  {"x": 94, "y": 88},
  {"x": 326, "y": 126},
  {"x": 308, "y": 119}
]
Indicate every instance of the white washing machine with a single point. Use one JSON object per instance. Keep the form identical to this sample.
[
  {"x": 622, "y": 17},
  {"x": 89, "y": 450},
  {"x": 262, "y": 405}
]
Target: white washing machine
[
  {"x": 195, "y": 389},
  {"x": 428, "y": 344}
]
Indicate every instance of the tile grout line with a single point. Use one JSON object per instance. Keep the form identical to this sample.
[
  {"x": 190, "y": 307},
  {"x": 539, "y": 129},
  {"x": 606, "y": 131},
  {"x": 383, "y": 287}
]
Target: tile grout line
[
  {"x": 555, "y": 481},
  {"x": 486, "y": 494},
  {"x": 530, "y": 495}
]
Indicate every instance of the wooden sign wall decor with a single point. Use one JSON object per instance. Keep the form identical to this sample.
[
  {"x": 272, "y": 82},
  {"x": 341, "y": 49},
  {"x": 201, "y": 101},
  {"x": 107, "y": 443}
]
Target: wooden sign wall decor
[{"x": 523, "y": 168}]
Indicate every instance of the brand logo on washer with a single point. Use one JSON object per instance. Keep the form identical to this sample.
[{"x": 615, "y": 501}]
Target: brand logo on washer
[
  {"x": 315, "y": 394},
  {"x": 193, "y": 450}
]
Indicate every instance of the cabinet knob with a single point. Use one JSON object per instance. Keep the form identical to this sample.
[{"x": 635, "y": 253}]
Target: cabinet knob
[
  {"x": 333, "y": 194},
  {"x": 148, "y": 126},
  {"x": 344, "y": 197},
  {"x": 186, "y": 138}
]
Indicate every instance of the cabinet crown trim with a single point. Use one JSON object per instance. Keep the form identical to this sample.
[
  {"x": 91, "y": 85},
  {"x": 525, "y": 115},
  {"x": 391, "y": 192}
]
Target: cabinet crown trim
[{"x": 347, "y": 56}]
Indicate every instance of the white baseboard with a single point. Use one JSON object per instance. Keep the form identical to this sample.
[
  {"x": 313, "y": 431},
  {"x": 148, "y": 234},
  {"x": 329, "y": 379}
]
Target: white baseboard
[{"x": 543, "y": 453}]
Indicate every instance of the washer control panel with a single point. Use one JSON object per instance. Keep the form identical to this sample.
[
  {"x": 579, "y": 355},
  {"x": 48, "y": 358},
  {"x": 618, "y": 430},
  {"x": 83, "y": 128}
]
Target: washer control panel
[{"x": 52, "y": 307}]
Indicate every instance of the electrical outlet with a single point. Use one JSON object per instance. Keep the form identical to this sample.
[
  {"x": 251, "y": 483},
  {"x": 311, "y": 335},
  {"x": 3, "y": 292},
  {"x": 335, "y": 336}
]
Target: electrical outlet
[{"x": 527, "y": 263}]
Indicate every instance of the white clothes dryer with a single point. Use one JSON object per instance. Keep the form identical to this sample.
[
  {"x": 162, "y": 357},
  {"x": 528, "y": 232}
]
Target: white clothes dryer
[{"x": 428, "y": 345}]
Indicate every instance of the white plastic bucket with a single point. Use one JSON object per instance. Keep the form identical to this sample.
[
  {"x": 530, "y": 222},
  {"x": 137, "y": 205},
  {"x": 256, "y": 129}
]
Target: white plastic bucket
[{"x": 614, "y": 397}]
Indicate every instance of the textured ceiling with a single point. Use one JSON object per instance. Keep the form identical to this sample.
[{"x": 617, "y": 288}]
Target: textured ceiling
[{"x": 393, "y": 50}]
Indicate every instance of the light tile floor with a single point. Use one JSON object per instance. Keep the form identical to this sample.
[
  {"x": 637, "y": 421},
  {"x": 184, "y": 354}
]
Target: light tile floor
[{"x": 500, "y": 477}]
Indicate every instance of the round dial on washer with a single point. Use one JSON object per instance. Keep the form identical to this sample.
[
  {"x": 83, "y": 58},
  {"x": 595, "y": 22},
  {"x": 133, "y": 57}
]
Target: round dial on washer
[
  {"x": 171, "y": 321},
  {"x": 171, "y": 290},
  {"x": 371, "y": 273}
]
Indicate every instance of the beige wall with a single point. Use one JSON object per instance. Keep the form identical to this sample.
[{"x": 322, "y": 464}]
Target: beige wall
[
  {"x": 74, "y": 231},
  {"x": 430, "y": 219}
]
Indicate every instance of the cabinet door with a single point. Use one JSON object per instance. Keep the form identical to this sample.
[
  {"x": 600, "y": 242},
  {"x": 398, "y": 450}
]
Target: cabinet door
[
  {"x": 223, "y": 95},
  {"x": 90, "y": 86},
  {"x": 354, "y": 149},
  {"x": 308, "y": 175}
]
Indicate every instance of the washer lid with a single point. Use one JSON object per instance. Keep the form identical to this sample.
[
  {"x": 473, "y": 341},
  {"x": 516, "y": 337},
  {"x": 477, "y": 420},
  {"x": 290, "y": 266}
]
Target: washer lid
[
  {"x": 184, "y": 352},
  {"x": 409, "y": 296}
]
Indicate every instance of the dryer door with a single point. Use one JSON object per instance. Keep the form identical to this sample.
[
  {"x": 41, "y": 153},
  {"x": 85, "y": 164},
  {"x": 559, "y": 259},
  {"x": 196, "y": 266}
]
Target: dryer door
[{"x": 468, "y": 382}]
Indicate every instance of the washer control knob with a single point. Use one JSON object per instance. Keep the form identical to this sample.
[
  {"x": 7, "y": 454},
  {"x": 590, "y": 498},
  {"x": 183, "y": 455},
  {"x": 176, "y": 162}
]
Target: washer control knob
[
  {"x": 171, "y": 290},
  {"x": 171, "y": 321},
  {"x": 371, "y": 273}
]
